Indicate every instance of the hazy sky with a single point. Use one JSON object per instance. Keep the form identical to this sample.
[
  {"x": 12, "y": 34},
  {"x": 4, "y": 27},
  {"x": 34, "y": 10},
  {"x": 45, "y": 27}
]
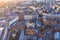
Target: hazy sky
[
  {"x": 18, "y": 0},
  {"x": 11, "y": 0}
]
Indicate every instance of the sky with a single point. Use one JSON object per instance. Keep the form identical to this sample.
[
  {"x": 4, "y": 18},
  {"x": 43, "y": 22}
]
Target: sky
[
  {"x": 11, "y": 0},
  {"x": 20, "y": 0}
]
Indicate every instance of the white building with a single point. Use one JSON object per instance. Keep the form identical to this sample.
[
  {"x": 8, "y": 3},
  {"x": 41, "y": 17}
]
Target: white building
[{"x": 47, "y": 1}]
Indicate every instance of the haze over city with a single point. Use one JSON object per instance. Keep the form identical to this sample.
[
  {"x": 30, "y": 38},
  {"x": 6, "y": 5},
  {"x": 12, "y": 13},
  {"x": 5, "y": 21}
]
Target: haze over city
[{"x": 29, "y": 19}]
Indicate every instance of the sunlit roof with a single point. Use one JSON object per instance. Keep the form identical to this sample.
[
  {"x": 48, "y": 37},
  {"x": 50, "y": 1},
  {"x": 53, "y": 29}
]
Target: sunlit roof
[{"x": 1, "y": 28}]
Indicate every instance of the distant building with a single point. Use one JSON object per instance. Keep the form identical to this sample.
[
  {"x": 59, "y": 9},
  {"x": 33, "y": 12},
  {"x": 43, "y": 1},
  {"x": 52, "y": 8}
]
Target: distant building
[
  {"x": 47, "y": 1},
  {"x": 58, "y": 2}
]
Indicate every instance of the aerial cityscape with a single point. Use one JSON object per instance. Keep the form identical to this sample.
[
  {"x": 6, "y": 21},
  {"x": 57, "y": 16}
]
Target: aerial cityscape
[{"x": 29, "y": 19}]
